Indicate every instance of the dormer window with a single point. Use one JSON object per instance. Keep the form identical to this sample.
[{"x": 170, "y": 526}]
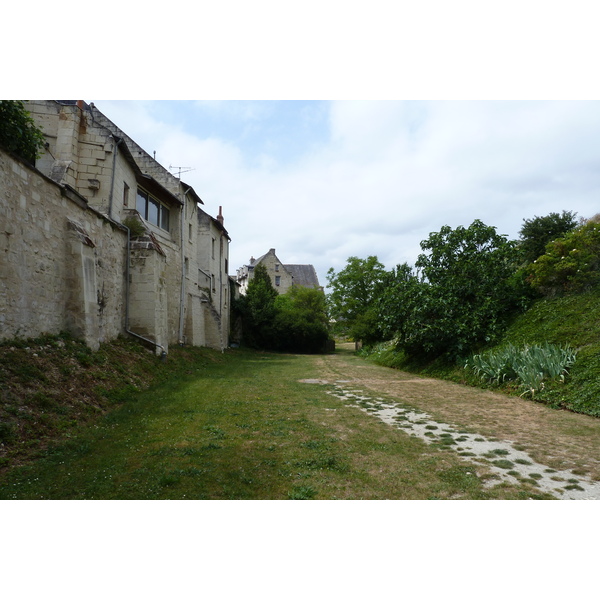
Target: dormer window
[{"x": 152, "y": 210}]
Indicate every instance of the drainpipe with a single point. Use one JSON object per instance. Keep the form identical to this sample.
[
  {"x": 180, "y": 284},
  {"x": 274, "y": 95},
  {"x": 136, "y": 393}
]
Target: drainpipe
[
  {"x": 112, "y": 178},
  {"x": 182, "y": 292},
  {"x": 163, "y": 355}
]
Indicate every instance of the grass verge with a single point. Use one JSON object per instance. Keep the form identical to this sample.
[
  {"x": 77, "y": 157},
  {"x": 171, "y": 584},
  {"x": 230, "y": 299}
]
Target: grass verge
[{"x": 241, "y": 425}]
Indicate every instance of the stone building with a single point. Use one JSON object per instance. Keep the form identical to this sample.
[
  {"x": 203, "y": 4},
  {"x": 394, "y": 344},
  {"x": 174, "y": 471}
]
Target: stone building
[
  {"x": 99, "y": 239},
  {"x": 283, "y": 277}
]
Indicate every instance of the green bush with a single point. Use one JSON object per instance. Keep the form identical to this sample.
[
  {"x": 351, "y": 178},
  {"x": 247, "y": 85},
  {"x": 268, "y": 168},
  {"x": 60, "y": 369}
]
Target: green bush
[
  {"x": 571, "y": 264},
  {"x": 18, "y": 131}
]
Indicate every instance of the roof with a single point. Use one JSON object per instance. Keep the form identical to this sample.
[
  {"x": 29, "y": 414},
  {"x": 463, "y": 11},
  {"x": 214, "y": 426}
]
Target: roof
[{"x": 304, "y": 275}]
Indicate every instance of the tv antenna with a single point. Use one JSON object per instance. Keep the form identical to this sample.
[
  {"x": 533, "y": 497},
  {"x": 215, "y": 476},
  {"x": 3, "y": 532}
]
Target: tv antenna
[{"x": 181, "y": 170}]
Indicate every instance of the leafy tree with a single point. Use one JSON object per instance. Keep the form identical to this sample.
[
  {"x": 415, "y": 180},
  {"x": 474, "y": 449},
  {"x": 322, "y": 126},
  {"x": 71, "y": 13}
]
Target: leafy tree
[
  {"x": 465, "y": 291},
  {"x": 395, "y": 303},
  {"x": 570, "y": 264},
  {"x": 539, "y": 231},
  {"x": 18, "y": 131},
  {"x": 301, "y": 322},
  {"x": 257, "y": 310},
  {"x": 354, "y": 296},
  {"x": 293, "y": 322}
]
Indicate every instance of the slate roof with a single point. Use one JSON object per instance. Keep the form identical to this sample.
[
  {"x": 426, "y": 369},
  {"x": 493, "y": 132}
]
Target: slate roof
[{"x": 304, "y": 275}]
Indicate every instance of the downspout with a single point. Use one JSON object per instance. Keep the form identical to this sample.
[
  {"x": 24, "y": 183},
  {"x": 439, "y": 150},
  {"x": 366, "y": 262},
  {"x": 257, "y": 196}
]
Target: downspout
[
  {"x": 182, "y": 292},
  {"x": 221, "y": 292},
  {"x": 112, "y": 177},
  {"x": 163, "y": 355}
]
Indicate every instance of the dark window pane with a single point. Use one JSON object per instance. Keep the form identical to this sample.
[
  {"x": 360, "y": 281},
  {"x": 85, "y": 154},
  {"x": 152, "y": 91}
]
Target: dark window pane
[
  {"x": 153, "y": 207},
  {"x": 164, "y": 217},
  {"x": 141, "y": 203}
]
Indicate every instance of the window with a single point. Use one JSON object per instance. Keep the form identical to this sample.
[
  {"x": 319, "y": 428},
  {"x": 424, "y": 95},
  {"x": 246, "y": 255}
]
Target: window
[
  {"x": 190, "y": 232},
  {"x": 278, "y": 280},
  {"x": 213, "y": 248},
  {"x": 152, "y": 210},
  {"x": 276, "y": 268},
  {"x": 125, "y": 195}
]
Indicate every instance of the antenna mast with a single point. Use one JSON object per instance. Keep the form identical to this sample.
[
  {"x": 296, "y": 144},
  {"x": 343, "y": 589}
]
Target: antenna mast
[{"x": 181, "y": 170}]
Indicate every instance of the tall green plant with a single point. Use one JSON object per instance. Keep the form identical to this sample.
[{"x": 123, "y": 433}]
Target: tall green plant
[{"x": 529, "y": 365}]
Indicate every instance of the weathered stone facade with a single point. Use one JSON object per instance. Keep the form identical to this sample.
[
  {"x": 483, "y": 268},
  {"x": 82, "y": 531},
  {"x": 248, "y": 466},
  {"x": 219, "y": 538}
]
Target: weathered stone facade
[
  {"x": 109, "y": 239},
  {"x": 62, "y": 264}
]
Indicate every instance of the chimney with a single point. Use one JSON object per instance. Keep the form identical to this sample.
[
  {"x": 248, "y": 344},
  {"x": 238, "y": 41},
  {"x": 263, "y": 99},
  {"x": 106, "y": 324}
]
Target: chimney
[
  {"x": 220, "y": 217},
  {"x": 252, "y": 260}
]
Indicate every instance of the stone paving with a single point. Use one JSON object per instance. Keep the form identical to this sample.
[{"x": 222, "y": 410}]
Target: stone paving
[{"x": 508, "y": 463}]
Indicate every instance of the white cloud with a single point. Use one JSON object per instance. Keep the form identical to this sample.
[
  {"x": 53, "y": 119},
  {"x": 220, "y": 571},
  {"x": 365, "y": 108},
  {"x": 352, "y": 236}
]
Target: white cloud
[{"x": 384, "y": 175}]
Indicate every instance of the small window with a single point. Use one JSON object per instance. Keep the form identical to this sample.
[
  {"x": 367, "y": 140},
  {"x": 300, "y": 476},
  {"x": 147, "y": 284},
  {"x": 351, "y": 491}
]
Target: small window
[
  {"x": 278, "y": 280},
  {"x": 190, "y": 232},
  {"x": 213, "y": 248},
  {"x": 277, "y": 268},
  {"x": 125, "y": 195}
]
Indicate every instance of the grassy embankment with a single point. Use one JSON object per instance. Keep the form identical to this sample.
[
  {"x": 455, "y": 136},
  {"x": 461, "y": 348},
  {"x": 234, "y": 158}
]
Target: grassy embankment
[
  {"x": 120, "y": 424},
  {"x": 572, "y": 320}
]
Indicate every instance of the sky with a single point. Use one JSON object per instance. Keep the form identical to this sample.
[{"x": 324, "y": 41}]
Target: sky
[{"x": 321, "y": 181}]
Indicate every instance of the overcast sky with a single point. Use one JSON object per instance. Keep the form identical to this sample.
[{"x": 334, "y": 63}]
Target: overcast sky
[{"x": 321, "y": 181}]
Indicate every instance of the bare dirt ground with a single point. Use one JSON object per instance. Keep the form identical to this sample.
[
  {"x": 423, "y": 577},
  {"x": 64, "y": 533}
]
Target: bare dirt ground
[{"x": 517, "y": 438}]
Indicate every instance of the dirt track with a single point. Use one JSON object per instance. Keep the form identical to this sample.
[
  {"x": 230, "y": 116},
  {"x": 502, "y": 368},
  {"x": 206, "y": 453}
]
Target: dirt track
[{"x": 562, "y": 448}]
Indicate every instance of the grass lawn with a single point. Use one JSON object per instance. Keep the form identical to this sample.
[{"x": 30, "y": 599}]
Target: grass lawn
[{"x": 241, "y": 425}]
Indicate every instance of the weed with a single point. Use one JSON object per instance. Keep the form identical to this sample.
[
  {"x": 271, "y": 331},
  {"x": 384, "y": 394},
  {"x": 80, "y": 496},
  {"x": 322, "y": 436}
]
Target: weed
[
  {"x": 522, "y": 461},
  {"x": 304, "y": 492},
  {"x": 503, "y": 463},
  {"x": 7, "y": 432}
]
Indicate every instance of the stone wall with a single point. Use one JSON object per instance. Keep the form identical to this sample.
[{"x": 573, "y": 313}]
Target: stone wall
[{"x": 62, "y": 264}]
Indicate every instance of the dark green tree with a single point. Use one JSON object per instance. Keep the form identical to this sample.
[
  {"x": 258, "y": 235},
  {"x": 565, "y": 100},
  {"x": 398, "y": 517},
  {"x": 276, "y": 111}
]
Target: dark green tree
[
  {"x": 353, "y": 299},
  {"x": 18, "y": 131},
  {"x": 536, "y": 233},
  {"x": 396, "y": 300},
  {"x": 301, "y": 322},
  {"x": 257, "y": 310},
  {"x": 465, "y": 293}
]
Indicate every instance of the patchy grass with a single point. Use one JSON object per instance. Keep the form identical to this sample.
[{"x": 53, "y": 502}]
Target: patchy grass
[{"x": 237, "y": 425}]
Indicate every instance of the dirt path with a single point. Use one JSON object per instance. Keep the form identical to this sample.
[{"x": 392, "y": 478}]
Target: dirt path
[{"x": 517, "y": 438}]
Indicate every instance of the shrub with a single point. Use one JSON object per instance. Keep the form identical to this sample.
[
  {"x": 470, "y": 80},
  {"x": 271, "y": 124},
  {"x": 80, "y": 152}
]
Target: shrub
[{"x": 570, "y": 264}]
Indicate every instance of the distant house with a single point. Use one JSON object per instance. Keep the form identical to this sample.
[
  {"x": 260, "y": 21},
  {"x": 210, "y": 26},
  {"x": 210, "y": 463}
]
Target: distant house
[{"x": 283, "y": 277}]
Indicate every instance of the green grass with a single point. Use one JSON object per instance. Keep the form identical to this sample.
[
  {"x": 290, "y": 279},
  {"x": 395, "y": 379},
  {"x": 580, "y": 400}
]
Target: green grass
[{"x": 240, "y": 425}]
